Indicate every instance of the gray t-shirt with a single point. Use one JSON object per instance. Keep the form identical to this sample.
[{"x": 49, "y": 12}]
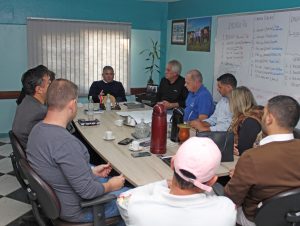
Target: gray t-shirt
[
  {"x": 28, "y": 113},
  {"x": 63, "y": 162}
]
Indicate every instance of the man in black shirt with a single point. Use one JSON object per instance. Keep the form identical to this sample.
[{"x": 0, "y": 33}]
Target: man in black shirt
[
  {"x": 107, "y": 86},
  {"x": 171, "y": 91}
]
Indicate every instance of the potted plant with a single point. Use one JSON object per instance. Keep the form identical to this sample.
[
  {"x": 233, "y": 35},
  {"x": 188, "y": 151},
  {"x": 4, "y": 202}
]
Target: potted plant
[{"x": 152, "y": 56}]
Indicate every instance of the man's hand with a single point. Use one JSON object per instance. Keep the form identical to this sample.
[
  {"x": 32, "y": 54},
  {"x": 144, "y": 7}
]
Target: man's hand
[
  {"x": 102, "y": 170},
  {"x": 199, "y": 125},
  {"x": 169, "y": 105},
  {"x": 231, "y": 172},
  {"x": 114, "y": 183}
]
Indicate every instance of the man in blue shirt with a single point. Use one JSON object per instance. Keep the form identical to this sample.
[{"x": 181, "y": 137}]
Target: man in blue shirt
[
  {"x": 199, "y": 103},
  {"x": 220, "y": 120}
]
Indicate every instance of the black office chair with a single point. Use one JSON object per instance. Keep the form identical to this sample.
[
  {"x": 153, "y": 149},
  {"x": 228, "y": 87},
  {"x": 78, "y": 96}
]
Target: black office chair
[
  {"x": 296, "y": 133},
  {"x": 46, "y": 204},
  {"x": 281, "y": 210},
  {"x": 17, "y": 154}
]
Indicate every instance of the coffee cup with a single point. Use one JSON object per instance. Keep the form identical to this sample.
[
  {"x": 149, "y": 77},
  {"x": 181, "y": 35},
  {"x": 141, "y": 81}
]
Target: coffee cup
[
  {"x": 108, "y": 134},
  {"x": 135, "y": 145}
]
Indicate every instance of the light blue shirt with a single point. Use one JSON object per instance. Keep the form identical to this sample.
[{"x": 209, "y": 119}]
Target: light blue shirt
[{"x": 220, "y": 120}]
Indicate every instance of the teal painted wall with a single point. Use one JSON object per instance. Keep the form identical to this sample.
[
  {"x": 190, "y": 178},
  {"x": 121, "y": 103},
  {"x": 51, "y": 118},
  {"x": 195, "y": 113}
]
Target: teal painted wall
[
  {"x": 196, "y": 8},
  {"x": 142, "y": 15},
  {"x": 193, "y": 8}
]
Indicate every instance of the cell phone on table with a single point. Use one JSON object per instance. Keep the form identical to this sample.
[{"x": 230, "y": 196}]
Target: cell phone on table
[
  {"x": 125, "y": 141},
  {"x": 140, "y": 154}
]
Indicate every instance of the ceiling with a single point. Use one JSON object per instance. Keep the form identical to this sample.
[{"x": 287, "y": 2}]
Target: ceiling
[{"x": 161, "y": 0}]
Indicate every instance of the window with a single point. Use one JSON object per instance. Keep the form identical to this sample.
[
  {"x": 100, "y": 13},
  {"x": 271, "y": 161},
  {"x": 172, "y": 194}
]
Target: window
[{"x": 78, "y": 50}]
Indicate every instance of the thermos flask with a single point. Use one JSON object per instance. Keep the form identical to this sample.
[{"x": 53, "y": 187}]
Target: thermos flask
[{"x": 158, "y": 143}]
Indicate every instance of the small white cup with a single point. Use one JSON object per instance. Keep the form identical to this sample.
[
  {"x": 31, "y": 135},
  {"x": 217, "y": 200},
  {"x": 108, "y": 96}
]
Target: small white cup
[
  {"x": 119, "y": 122},
  {"x": 135, "y": 145},
  {"x": 108, "y": 134},
  {"x": 132, "y": 122}
]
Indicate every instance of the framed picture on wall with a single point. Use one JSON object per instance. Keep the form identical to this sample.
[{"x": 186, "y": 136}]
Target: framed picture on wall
[
  {"x": 198, "y": 34},
  {"x": 178, "y": 32}
]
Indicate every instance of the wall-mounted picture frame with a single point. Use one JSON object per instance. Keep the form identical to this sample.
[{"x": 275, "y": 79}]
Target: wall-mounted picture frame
[
  {"x": 152, "y": 89},
  {"x": 199, "y": 34},
  {"x": 178, "y": 32}
]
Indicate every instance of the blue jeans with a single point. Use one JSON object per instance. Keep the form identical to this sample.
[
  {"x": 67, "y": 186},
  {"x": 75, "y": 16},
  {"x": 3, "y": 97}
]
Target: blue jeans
[{"x": 110, "y": 209}]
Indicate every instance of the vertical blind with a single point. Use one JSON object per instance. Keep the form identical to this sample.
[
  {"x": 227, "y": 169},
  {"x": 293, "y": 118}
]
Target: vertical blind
[{"x": 78, "y": 50}]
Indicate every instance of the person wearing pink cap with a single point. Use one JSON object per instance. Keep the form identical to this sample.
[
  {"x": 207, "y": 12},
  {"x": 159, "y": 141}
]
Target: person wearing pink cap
[{"x": 186, "y": 200}]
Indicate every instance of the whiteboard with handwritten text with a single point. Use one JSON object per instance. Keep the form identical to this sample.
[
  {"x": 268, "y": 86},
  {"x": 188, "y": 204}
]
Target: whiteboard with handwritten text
[{"x": 262, "y": 50}]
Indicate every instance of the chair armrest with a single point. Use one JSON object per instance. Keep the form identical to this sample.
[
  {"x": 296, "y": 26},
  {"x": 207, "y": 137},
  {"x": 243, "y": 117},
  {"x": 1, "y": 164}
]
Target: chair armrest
[
  {"x": 218, "y": 189},
  {"x": 293, "y": 217},
  {"x": 98, "y": 201}
]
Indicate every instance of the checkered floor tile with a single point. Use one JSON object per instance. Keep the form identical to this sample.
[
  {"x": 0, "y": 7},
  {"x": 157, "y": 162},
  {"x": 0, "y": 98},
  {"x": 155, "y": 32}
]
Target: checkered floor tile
[{"x": 13, "y": 201}]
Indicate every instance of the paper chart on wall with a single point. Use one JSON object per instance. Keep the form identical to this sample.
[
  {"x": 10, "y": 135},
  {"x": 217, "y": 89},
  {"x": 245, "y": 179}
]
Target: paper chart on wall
[{"x": 262, "y": 50}]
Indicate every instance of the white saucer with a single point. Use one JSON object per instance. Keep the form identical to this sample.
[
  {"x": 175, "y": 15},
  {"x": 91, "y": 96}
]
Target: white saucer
[
  {"x": 139, "y": 149},
  {"x": 112, "y": 138}
]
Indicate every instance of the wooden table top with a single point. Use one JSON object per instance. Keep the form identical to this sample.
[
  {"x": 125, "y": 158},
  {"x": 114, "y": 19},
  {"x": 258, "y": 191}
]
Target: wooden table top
[{"x": 138, "y": 171}]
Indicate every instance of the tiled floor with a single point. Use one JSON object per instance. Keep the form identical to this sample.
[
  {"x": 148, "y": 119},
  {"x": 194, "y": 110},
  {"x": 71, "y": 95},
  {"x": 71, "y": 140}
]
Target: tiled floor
[{"x": 12, "y": 198}]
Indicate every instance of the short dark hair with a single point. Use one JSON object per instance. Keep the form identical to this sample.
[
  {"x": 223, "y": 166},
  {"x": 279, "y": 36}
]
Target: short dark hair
[
  {"x": 183, "y": 184},
  {"x": 228, "y": 79},
  {"x": 60, "y": 92},
  {"x": 33, "y": 78},
  {"x": 285, "y": 109},
  {"x": 52, "y": 75},
  {"x": 108, "y": 68}
]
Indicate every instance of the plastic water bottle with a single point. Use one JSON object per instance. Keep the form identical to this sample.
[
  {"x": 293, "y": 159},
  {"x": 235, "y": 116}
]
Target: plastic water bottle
[
  {"x": 108, "y": 103},
  {"x": 91, "y": 104},
  {"x": 90, "y": 112}
]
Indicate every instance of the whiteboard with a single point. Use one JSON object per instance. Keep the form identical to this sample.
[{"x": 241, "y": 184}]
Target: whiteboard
[{"x": 262, "y": 50}]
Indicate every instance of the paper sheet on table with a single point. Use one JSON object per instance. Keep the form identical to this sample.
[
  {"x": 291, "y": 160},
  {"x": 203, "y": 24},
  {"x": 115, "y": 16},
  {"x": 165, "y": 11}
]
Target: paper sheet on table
[{"x": 138, "y": 115}]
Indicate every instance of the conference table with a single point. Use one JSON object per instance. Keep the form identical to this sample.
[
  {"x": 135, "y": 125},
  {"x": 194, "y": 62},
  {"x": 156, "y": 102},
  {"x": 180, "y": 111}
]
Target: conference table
[{"x": 137, "y": 171}]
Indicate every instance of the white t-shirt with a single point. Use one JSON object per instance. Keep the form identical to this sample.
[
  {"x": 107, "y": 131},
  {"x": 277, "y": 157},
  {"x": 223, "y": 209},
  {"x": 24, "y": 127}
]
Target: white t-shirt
[{"x": 153, "y": 205}]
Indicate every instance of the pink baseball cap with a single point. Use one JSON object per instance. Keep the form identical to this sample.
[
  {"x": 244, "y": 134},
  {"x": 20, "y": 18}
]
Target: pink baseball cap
[{"x": 199, "y": 156}]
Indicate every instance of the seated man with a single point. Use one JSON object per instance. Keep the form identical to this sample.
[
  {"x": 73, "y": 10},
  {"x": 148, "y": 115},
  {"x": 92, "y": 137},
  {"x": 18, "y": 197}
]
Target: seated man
[
  {"x": 220, "y": 120},
  {"x": 272, "y": 167},
  {"x": 171, "y": 91},
  {"x": 32, "y": 108},
  {"x": 63, "y": 161},
  {"x": 186, "y": 199},
  {"x": 107, "y": 86},
  {"x": 22, "y": 92},
  {"x": 199, "y": 103}
]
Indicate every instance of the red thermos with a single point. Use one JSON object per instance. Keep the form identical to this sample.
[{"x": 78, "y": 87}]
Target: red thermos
[{"x": 159, "y": 130}]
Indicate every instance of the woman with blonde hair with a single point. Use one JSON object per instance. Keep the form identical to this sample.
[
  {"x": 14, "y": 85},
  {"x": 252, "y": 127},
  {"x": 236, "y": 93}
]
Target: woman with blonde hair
[{"x": 246, "y": 120}]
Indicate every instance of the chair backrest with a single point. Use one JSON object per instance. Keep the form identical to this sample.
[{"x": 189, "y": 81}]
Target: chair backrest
[
  {"x": 41, "y": 192},
  {"x": 280, "y": 210},
  {"x": 224, "y": 140},
  {"x": 18, "y": 150},
  {"x": 297, "y": 133},
  {"x": 18, "y": 153}
]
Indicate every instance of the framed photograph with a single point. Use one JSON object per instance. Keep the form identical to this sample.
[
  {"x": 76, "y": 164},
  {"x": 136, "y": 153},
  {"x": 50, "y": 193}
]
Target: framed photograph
[
  {"x": 178, "y": 32},
  {"x": 198, "y": 34},
  {"x": 152, "y": 89}
]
